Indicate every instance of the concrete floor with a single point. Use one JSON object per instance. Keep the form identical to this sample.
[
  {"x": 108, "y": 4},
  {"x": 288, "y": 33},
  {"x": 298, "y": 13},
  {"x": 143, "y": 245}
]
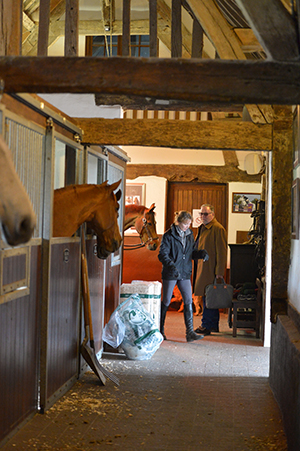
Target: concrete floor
[{"x": 210, "y": 395}]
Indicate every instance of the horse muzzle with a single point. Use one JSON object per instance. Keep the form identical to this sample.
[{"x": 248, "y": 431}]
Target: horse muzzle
[{"x": 21, "y": 232}]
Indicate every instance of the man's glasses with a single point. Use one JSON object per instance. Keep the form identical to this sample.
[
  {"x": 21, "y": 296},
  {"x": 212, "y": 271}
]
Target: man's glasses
[{"x": 204, "y": 214}]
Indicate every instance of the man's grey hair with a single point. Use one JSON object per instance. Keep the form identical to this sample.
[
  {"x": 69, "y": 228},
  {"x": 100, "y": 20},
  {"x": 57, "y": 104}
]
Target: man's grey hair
[{"x": 212, "y": 208}]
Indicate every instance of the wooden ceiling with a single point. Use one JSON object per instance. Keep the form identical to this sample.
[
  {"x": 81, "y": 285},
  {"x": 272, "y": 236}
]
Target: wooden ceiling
[
  {"x": 272, "y": 32},
  {"x": 256, "y": 60}
]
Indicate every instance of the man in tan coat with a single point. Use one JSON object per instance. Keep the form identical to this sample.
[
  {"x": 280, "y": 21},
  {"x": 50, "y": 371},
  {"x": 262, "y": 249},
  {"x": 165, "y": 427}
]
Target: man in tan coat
[{"x": 212, "y": 237}]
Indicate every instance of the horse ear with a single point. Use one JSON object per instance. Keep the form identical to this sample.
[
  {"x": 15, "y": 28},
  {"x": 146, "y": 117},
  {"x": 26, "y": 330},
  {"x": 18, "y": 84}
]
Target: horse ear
[
  {"x": 152, "y": 207},
  {"x": 115, "y": 185},
  {"x": 118, "y": 194}
]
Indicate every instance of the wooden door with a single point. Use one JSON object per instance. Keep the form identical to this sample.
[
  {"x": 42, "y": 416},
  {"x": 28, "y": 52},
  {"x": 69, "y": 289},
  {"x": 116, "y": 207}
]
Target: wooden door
[{"x": 189, "y": 196}]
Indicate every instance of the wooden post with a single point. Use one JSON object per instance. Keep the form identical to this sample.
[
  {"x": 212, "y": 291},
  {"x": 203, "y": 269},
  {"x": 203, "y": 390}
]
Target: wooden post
[
  {"x": 71, "y": 27},
  {"x": 282, "y": 173},
  {"x": 197, "y": 40},
  {"x": 44, "y": 20},
  {"x": 126, "y": 28},
  {"x": 153, "y": 27},
  {"x": 176, "y": 35},
  {"x": 11, "y": 27}
]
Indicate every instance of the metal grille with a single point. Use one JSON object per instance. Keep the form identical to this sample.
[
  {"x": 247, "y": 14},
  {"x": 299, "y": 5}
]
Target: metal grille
[{"x": 27, "y": 147}]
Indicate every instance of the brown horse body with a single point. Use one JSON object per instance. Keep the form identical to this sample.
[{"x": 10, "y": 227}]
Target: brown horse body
[
  {"x": 95, "y": 204},
  {"x": 143, "y": 220}
]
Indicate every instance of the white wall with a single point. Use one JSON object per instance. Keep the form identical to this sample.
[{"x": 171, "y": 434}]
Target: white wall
[{"x": 156, "y": 190}]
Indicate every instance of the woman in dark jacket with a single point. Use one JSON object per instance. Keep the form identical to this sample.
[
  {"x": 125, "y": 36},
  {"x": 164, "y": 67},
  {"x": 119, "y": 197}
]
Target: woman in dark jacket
[{"x": 176, "y": 253}]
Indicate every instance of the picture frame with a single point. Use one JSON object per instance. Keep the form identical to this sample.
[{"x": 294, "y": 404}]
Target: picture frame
[
  {"x": 295, "y": 208},
  {"x": 135, "y": 193},
  {"x": 244, "y": 202}
]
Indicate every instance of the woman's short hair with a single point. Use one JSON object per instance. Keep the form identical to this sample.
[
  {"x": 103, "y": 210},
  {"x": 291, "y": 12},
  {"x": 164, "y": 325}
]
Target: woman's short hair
[{"x": 182, "y": 216}]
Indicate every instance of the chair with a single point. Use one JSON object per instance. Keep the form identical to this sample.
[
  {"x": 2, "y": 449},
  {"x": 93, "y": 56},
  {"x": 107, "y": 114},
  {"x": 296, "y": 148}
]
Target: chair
[{"x": 248, "y": 319}]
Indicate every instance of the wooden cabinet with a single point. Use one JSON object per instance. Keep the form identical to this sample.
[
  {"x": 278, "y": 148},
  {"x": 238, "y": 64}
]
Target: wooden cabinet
[{"x": 243, "y": 266}]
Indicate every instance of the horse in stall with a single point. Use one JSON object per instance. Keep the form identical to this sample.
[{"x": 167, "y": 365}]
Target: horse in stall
[
  {"x": 16, "y": 212},
  {"x": 97, "y": 205},
  {"x": 143, "y": 220}
]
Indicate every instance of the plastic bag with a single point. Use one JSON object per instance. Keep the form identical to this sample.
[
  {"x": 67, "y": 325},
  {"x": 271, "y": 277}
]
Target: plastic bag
[
  {"x": 114, "y": 330},
  {"x": 142, "y": 338}
]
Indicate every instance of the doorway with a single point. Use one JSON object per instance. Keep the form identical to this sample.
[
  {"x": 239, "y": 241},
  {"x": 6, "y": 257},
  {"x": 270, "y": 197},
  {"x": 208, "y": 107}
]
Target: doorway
[{"x": 191, "y": 195}]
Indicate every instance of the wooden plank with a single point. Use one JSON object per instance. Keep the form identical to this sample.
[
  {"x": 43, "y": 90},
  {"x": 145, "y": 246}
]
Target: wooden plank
[
  {"x": 248, "y": 40},
  {"x": 71, "y": 30},
  {"x": 176, "y": 38},
  {"x": 273, "y": 26},
  {"x": 153, "y": 27},
  {"x": 208, "y": 81},
  {"x": 126, "y": 28},
  {"x": 44, "y": 20},
  {"x": 180, "y": 134}
]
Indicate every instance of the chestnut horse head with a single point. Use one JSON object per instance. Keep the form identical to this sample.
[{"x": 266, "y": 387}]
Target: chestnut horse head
[
  {"x": 16, "y": 213},
  {"x": 95, "y": 204},
  {"x": 143, "y": 220}
]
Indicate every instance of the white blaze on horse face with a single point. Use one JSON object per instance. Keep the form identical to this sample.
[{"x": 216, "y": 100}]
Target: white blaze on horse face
[{"x": 16, "y": 213}]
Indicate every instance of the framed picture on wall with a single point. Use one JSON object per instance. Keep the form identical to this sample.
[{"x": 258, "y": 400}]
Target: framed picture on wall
[
  {"x": 244, "y": 202},
  {"x": 135, "y": 193},
  {"x": 295, "y": 209}
]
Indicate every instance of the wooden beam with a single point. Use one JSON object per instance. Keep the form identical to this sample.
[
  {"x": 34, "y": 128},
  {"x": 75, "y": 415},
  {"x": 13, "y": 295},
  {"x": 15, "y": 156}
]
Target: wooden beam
[
  {"x": 191, "y": 173},
  {"x": 209, "y": 81},
  {"x": 273, "y": 26},
  {"x": 217, "y": 29},
  {"x": 180, "y": 134},
  {"x": 147, "y": 103}
]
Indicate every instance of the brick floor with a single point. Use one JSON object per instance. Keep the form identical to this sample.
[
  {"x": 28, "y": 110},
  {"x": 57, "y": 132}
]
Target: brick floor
[{"x": 208, "y": 395}]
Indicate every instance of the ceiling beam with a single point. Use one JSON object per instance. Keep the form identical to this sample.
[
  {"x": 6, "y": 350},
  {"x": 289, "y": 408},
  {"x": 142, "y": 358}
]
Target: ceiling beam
[
  {"x": 192, "y": 173},
  {"x": 207, "y": 81},
  {"x": 273, "y": 26},
  {"x": 182, "y": 134},
  {"x": 217, "y": 29}
]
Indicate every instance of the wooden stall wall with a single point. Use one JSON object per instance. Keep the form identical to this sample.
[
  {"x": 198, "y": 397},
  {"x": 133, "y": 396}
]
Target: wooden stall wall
[
  {"x": 19, "y": 351},
  {"x": 20, "y": 275},
  {"x": 63, "y": 317}
]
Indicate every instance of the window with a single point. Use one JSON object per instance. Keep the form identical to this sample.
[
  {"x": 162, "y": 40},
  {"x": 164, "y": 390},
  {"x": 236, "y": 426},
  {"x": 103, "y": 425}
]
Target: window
[
  {"x": 140, "y": 45},
  {"x": 112, "y": 45}
]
